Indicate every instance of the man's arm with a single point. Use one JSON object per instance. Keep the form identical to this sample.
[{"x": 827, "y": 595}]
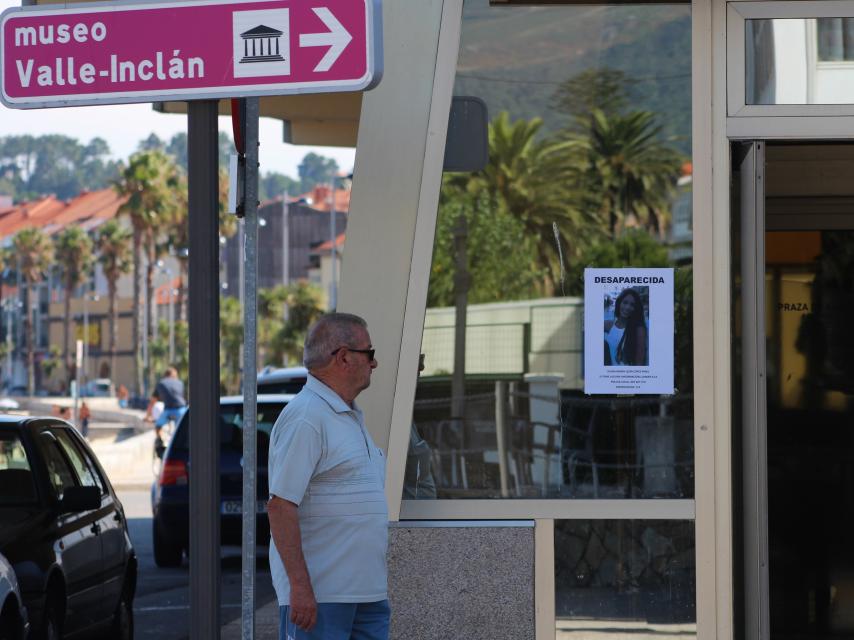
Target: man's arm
[
  {"x": 284, "y": 527},
  {"x": 148, "y": 409}
]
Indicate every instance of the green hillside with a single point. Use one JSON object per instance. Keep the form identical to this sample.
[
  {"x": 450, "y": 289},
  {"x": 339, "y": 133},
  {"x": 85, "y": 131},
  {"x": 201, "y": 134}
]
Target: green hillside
[{"x": 516, "y": 58}]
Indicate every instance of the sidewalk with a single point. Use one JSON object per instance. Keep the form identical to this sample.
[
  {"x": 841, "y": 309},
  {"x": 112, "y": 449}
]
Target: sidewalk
[
  {"x": 128, "y": 462},
  {"x": 266, "y": 624}
]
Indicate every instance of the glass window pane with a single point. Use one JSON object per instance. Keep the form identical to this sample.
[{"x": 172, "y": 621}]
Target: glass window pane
[
  {"x": 589, "y": 166},
  {"x": 59, "y": 473},
  {"x": 85, "y": 472},
  {"x": 622, "y": 579},
  {"x": 799, "y": 61},
  {"x": 17, "y": 484}
]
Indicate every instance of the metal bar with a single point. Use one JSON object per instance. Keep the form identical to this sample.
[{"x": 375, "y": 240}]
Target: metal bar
[
  {"x": 501, "y": 435},
  {"x": 250, "y": 367},
  {"x": 754, "y": 426},
  {"x": 203, "y": 150},
  {"x": 333, "y": 291}
]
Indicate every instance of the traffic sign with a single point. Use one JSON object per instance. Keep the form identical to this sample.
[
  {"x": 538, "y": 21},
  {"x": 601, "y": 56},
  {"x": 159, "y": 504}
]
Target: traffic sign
[{"x": 113, "y": 53}]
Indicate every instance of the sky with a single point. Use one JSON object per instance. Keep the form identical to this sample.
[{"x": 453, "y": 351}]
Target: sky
[{"x": 123, "y": 126}]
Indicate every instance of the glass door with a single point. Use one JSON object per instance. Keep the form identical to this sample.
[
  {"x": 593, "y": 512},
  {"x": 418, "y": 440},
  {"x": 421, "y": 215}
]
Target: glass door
[{"x": 793, "y": 257}]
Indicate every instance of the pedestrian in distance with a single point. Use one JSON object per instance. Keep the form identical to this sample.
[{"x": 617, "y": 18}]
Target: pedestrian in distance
[
  {"x": 327, "y": 508},
  {"x": 84, "y": 414},
  {"x": 169, "y": 391}
]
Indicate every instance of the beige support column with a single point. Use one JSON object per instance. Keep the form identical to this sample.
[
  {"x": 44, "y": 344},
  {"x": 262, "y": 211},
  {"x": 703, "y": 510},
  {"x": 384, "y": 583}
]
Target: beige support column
[
  {"x": 387, "y": 256},
  {"x": 393, "y": 133},
  {"x": 712, "y": 301}
]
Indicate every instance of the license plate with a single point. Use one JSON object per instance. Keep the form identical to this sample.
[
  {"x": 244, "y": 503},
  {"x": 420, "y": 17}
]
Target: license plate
[{"x": 235, "y": 507}]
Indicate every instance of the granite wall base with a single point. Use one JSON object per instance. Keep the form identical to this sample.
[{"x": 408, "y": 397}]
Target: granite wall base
[{"x": 471, "y": 583}]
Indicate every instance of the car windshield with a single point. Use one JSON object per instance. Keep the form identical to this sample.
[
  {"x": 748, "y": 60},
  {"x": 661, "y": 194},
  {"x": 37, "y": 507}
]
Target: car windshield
[
  {"x": 17, "y": 485},
  {"x": 231, "y": 428}
]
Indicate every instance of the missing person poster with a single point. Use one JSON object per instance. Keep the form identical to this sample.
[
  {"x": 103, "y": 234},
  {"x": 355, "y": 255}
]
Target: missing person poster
[{"x": 628, "y": 331}]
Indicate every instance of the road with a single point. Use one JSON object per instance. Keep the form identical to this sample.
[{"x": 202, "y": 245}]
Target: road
[{"x": 161, "y": 609}]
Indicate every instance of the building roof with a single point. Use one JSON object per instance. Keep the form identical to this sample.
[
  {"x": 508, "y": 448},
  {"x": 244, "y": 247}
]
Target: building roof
[
  {"x": 318, "y": 199},
  {"x": 87, "y": 210}
]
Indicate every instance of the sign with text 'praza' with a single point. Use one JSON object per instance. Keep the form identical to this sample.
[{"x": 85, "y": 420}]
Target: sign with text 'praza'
[{"x": 119, "y": 53}]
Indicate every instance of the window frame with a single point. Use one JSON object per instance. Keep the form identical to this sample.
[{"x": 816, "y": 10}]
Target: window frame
[{"x": 737, "y": 14}]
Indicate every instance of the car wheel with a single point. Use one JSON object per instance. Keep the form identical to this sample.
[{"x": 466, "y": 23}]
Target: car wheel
[
  {"x": 51, "y": 626},
  {"x": 10, "y": 625},
  {"x": 166, "y": 552},
  {"x": 122, "y": 627}
]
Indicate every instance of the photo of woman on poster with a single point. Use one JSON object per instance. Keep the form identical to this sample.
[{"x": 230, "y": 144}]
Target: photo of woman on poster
[{"x": 626, "y": 335}]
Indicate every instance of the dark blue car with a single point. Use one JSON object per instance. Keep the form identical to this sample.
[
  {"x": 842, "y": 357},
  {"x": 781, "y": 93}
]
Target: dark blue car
[{"x": 171, "y": 492}]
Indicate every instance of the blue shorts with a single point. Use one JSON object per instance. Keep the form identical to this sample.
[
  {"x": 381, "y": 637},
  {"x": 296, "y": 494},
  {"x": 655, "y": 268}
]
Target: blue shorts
[
  {"x": 357, "y": 621},
  {"x": 174, "y": 414}
]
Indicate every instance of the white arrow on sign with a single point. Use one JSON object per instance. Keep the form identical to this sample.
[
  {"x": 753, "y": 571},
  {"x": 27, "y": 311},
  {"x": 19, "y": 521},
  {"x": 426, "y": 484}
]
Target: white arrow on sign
[{"x": 337, "y": 39}]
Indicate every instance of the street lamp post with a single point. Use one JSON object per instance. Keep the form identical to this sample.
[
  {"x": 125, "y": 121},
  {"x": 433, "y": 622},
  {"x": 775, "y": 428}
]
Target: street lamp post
[{"x": 172, "y": 294}]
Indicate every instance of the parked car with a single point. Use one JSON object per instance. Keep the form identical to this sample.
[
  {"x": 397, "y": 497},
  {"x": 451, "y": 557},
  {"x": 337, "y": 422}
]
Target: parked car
[
  {"x": 13, "y": 614},
  {"x": 283, "y": 380},
  {"x": 98, "y": 388},
  {"x": 171, "y": 491},
  {"x": 64, "y": 532}
]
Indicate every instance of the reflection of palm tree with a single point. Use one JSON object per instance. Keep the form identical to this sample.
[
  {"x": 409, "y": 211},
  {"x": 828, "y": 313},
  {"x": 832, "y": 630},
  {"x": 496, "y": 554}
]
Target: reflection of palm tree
[
  {"x": 627, "y": 171},
  {"x": 114, "y": 244},
  {"x": 73, "y": 250},
  {"x": 35, "y": 252},
  {"x": 527, "y": 178}
]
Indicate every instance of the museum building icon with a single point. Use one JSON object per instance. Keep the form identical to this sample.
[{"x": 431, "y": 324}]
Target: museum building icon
[{"x": 261, "y": 44}]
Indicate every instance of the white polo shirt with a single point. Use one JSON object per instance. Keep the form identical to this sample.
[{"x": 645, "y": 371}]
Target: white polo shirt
[{"x": 323, "y": 459}]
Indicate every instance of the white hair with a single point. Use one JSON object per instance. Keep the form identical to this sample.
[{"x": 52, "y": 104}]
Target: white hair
[{"x": 332, "y": 331}]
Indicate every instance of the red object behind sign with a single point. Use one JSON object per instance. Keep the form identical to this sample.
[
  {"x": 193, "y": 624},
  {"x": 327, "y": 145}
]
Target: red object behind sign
[{"x": 185, "y": 50}]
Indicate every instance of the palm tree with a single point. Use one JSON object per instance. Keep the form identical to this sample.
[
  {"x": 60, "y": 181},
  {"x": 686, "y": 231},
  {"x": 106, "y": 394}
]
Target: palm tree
[
  {"x": 529, "y": 179},
  {"x": 114, "y": 246},
  {"x": 178, "y": 232},
  {"x": 147, "y": 182},
  {"x": 627, "y": 172},
  {"x": 35, "y": 252},
  {"x": 73, "y": 252}
]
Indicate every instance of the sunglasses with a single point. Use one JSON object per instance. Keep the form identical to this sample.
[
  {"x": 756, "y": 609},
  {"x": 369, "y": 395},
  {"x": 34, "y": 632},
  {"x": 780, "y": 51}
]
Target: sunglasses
[{"x": 370, "y": 352}]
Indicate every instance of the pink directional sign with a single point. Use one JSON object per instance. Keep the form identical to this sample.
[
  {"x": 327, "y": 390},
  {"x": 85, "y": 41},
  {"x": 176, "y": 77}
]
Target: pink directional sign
[{"x": 109, "y": 54}]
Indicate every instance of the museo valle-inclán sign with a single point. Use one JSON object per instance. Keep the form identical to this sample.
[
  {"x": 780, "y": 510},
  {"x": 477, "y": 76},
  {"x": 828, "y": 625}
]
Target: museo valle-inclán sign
[{"x": 118, "y": 53}]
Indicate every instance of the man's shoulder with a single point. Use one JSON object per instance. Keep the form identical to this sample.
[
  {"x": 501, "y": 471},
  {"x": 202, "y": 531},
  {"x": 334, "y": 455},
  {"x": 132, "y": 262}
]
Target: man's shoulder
[{"x": 307, "y": 408}]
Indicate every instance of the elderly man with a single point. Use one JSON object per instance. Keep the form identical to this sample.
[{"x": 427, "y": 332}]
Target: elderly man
[{"x": 328, "y": 514}]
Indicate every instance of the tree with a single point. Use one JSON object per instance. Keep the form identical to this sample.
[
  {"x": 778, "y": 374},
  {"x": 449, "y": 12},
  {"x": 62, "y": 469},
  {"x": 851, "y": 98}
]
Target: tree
[
  {"x": 230, "y": 342},
  {"x": 273, "y": 185},
  {"x": 624, "y": 169},
  {"x": 148, "y": 182},
  {"x": 152, "y": 143},
  {"x": 296, "y": 306},
  {"x": 177, "y": 148},
  {"x": 35, "y": 253},
  {"x": 178, "y": 230},
  {"x": 73, "y": 252},
  {"x": 634, "y": 247},
  {"x": 55, "y": 164},
  {"x": 160, "y": 348},
  {"x": 316, "y": 169},
  {"x": 502, "y": 257},
  {"x": 601, "y": 88},
  {"x": 114, "y": 246},
  {"x": 531, "y": 180}
]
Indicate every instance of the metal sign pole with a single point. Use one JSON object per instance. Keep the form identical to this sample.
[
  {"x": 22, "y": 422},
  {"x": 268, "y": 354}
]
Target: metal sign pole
[{"x": 250, "y": 365}]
